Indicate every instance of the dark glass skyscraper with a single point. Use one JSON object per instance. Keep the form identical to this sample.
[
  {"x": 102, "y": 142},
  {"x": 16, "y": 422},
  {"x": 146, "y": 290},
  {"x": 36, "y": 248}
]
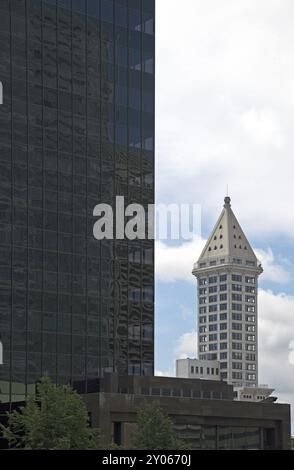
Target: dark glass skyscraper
[{"x": 76, "y": 129}]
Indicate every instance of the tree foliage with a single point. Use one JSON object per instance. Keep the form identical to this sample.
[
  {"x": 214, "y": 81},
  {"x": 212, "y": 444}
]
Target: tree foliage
[
  {"x": 155, "y": 430},
  {"x": 54, "y": 418}
]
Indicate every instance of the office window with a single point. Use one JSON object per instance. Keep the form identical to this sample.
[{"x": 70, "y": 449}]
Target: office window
[
  {"x": 237, "y": 336},
  {"x": 250, "y": 289},
  {"x": 203, "y": 291},
  {"x": 212, "y": 289},
  {"x": 237, "y": 287},
  {"x": 213, "y": 327},
  {"x": 237, "y": 307},
  {"x": 250, "y": 318},
  {"x": 203, "y": 339},
  {"x": 237, "y": 278},
  {"x": 237, "y": 316},
  {"x": 237, "y": 365},
  {"x": 250, "y": 308},
  {"x": 250, "y": 357},
  {"x": 251, "y": 377},
  {"x": 250, "y": 337},
  {"x": 237, "y": 297},
  {"x": 237, "y": 375},
  {"x": 212, "y": 308},
  {"x": 212, "y": 318},
  {"x": 237, "y": 356},
  {"x": 213, "y": 337}
]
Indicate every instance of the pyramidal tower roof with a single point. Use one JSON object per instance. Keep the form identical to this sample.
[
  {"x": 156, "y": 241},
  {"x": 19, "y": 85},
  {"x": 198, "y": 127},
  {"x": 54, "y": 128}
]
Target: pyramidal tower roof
[{"x": 228, "y": 240}]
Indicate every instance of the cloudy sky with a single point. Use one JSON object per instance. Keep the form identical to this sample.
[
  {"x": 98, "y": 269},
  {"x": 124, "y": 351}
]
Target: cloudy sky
[{"x": 225, "y": 114}]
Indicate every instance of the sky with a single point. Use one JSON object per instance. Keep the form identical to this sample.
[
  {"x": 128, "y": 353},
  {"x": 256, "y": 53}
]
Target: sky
[{"x": 224, "y": 116}]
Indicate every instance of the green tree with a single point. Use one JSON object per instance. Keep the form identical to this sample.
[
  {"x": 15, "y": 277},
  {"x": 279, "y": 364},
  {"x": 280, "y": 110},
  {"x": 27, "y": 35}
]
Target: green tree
[
  {"x": 155, "y": 430},
  {"x": 54, "y": 418}
]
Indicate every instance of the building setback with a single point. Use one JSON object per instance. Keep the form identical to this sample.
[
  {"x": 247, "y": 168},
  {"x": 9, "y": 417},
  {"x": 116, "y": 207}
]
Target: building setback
[{"x": 76, "y": 130}]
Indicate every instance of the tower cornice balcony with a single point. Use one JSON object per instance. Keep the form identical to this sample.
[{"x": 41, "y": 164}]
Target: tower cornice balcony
[{"x": 227, "y": 264}]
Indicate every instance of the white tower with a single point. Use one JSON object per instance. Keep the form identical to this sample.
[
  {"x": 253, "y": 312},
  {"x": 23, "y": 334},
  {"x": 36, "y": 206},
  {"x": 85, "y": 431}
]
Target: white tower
[{"x": 227, "y": 273}]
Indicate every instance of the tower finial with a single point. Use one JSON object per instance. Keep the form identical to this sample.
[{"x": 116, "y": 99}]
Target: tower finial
[{"x": 227, "y": 201}]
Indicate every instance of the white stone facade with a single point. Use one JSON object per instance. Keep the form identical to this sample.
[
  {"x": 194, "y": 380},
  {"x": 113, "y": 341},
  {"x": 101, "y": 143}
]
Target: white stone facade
[{"x": 227, "y": 274}]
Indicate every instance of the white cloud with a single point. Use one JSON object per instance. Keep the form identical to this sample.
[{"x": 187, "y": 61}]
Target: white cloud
[
  {"x": 175, "y": 263},
  {"x": 186, "y": 312},
  {"x": 262, "y": 127},
  {"x": 276, "y": 334},
  {"x": 170, "y": 373},
  {"x": 272, "y": 271},
  {"x": 186, "y": 345},
  {"x": 225, "y": 95}
]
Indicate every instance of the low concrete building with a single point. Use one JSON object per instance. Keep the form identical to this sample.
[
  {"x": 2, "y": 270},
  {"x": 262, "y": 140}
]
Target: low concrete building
[
  {"x": 197, "y": 369},
  {"x": 210, "y": 370},
  {"x": 204, "y": 412}
]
